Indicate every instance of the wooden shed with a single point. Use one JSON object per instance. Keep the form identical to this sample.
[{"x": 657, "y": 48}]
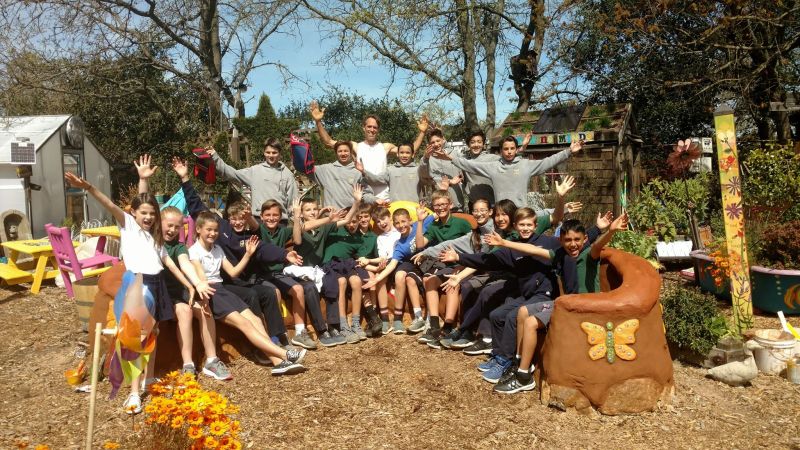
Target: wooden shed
[{"x": 607, "y": 171}]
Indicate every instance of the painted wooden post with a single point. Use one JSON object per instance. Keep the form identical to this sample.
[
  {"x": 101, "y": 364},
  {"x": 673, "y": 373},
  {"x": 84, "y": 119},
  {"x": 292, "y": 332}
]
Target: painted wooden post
[{"x": 733, "y": 213}]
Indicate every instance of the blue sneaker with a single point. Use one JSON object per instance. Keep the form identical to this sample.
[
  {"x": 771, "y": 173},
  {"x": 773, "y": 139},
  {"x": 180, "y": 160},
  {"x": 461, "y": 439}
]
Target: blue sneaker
[
  {"x": 494, "y": 374},
  {"x": 488, "y": 364}
]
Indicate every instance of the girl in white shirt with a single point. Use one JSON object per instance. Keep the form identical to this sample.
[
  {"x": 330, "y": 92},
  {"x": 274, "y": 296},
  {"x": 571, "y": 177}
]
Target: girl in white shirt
[{"x": 141, "y": 248}]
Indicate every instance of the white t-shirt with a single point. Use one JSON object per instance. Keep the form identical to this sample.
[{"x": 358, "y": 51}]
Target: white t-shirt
[
  {"x": 386, "y": 243},
  {"x": 138, "y": 249},
  {"x": 374, "y": 159},
  {"x": 210, "y": 260}
]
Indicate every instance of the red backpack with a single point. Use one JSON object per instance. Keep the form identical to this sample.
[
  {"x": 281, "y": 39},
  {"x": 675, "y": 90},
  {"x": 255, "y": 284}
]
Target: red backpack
[
  {"x": 204, "y": 168},
  {"x": 302, "y": 158}
]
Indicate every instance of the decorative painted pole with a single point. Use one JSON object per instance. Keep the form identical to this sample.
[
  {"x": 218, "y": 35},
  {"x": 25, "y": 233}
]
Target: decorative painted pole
[{"x": 733, "y": 213}]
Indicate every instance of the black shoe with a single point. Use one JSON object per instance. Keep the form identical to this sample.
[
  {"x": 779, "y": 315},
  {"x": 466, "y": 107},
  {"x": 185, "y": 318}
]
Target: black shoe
[
  {"x": 466, "y": 339},
  {"x": 436, "y": 343},
  {"x": 514, "y": 384},
  {"x": 429, "y": 336},
  {"x": 374, "y": 324},
  {"x": 448, "y": 339},
  {"x": 480, "y": 347},
  {"x": 509, "y": 373}
]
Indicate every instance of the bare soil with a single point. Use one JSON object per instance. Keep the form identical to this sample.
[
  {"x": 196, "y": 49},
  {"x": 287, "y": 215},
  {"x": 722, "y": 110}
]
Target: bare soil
[{"x": 383, "y": 393}]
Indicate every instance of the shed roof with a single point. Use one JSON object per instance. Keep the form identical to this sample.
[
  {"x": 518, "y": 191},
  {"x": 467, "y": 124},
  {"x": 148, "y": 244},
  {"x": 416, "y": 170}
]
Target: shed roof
[
  {"x": 559, "y": 125},
  {"x": 36, "y": 128}
]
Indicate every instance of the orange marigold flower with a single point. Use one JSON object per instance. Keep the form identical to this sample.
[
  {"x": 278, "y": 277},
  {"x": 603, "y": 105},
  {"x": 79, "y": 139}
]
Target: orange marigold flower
[
  {"x": 41, "y": 447},
  {"x": 177, "y": 422},
  {"x": 235, "y": 426},
  {"x": 162, "y": 419},
  {"x": 194, "y": 418},
  {"x": 235, "y": 445},
  {"x": 217, "y": 428},
  {"x": 210, "y": 442},
  {"x": 111, "y": 445},
  {"x": 194, "y": 432}
]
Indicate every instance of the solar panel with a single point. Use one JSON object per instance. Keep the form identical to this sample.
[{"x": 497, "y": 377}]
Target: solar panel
[
  {"x": 23, "y": 153},
  {"x": 559, "y": 119}
]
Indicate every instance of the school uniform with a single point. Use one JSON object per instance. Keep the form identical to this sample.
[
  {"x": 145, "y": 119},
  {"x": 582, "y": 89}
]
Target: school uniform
[
  {"x": 438, "y": 169},
  {"x": 266, "y": 182},
  {"x": 405, "y": 248},
  {"x": 403, "y": 181},
  {"x": 223, "y": 302},
  {"x": 438, "y": 232},
  {"x": 177, "y": 291},
  {"x": 509, "y": 179},
  {"x": 478, "y": 186},
  {"x": 337, "y": 180}
]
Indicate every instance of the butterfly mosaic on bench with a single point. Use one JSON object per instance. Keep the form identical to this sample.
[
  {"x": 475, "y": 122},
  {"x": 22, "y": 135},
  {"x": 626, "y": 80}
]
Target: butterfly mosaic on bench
[{"x": 610, "y": 341}]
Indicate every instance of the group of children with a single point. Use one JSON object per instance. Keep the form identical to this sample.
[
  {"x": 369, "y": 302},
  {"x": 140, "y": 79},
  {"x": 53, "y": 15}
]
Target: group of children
[{"x": 499, "y": 278}]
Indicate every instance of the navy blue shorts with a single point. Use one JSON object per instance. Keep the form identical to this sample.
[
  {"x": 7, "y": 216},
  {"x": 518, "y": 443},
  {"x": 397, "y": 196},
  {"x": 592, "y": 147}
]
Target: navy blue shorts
[{"x": 334, "y": 270}]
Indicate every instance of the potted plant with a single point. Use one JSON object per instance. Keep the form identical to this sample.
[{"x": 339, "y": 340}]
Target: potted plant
[
  {"x": 693, "y": 322},
  {"x": 775, "y": 278},
  {"x": 712, "y": 269}
]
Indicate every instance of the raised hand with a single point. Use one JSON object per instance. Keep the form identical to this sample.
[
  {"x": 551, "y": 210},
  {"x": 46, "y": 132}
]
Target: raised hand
[
  {"x": 444, "y": 183},
  {"x": 359, "y": 165},
  {"x": 422, "y": 123},
  {"x": 417, "y": 259},
  {"x": 382, "y": 202},
  {"x": 620, "y": 223},
  {"x": 527, "y": 138},
  {"x": 76, "y": 181},
  {"x": 493, "y": 239},
  {"x": 251, "y": 245},
  {"x": 575, "y": 147},
  {"x": 566, "y": 185},
  {"x": 422, "y": 213},
  {"x": 448, "y": 256},
  {"x": 144, "y": 168},
  {"x": 457, "y": 179},
  {"x": 452, "y": 283},
  {"x": 180, "y": 167},
  {"x": 358, "y": 192},
  {"x": 604, "y": 220},
  {"x": 293, "y": 258},
  {"x": 572, "y": 207},
  {"x": 296, "y": 209},
  {"x": 316, "y": 113},
  {"x": 210, "y": 151}
]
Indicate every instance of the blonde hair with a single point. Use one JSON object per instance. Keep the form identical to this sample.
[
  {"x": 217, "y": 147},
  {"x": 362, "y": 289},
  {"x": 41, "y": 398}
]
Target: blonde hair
[
  {"x": 269, "y": 204},
  {"x": 440, "y": 193},
  {"x": 524, "y": 213}
]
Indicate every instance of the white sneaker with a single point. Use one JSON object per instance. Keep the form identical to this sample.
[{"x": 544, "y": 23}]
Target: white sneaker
[{"x": 133, "y": 404}]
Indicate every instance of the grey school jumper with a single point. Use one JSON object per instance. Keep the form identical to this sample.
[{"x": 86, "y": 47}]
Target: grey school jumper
[
  {"x": 479, "y": 186},
  {"x": 266, "y": 183},
  {"x": 510, "y": 179},
  {"x": 337, "y": 180},
  {"x": 403, "y": 181},
  {"x": 438, "y": 168},
  {"x": 461, "y": 244}
]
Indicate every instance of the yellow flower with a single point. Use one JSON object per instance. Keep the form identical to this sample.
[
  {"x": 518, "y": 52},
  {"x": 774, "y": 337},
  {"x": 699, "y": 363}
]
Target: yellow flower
[
  {"x": 210, "y": 442},
  {"x": 162, "y": 419},
  {"x": 110, "y": 445},
  {"x": 177, "y": 422},
  {"x": 195, "y": 432},
  {"x": 235, "y": 426},
  {"x": 194, "y": 418},
  {"x": 41, "y": 447},
  {"x": 235, "y": 445},
  {"x": 217, "y": 428}
]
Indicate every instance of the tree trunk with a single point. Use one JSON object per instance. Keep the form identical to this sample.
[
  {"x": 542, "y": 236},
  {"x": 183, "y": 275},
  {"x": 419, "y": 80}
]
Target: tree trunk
[
  {"x": 525, "y": 65},
  {"x": 491, "y": 33},
  {"x": 468, "y": 95}
]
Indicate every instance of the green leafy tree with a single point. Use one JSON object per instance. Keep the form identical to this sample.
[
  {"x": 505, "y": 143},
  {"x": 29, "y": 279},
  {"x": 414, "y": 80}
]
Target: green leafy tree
[{"x": 264, "y": 125}]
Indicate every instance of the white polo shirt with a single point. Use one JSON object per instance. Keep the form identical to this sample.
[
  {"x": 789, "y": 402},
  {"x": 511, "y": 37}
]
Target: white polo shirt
[
  {"x": 138, "y": 249},
  {"x": 210, "y": 260}
]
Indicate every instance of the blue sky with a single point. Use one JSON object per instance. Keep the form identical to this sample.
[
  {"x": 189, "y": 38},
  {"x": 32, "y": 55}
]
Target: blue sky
[{"x": 369, "y": 80}]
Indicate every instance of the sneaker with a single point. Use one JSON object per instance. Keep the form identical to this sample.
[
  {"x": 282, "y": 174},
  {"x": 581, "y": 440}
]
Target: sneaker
[
  {"x": 429, "y": 336},
  {"x": 494, "y": 374},
  {"x": 288, "y": 347},
  {"x": 488, "y": 364},
  {"x": 509, "y": 373},
  {"x": 261, "y": 358},
  {"x": 296, "y": 356},
  {"x": 480, "y": 347},
  {"x": 398, "y": 327},
  {"x": 133, "y": 404},
  {"x": 374, "y": 322},
  {"x": 190, "y": 369},
  {"x": 217, "y": 370},
  {"x": 417, "y": 325},
  {"x": 304, "y": 340},
  {"x": 356, "y": 328},
  {"x": 349, "y": 335},
  {"x": 512, "y": 385},
  {"x": 448, "y": 339},
  {"x": 327, "y": 339},
  {"x": 386, "y": 328},
  {"x": 287, "y": 367},
  {"x": 337, "y": 337},
  {"x": 436, "y": 343},
  {"x": 466, "y": 339}
]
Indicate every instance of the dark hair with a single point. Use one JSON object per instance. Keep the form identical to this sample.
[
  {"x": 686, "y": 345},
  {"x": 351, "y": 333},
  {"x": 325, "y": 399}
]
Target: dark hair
[
  {"x": 400, "y": 212},
  {"x": 509, "y": 139},
  {"x": 347, "y": 144},
  {"x": 476, "y": 238},
  {"x": 147, "y": 198},
  {"x": 365, "y": 208},
  {"x": 508, "y": 208},
  {"x": 476, "y": 133},
  {"x": 435, "y": 132},
  {"x": 203, "y": 218},
  {"x": 274, "y": 143},
  {"x": 572, "y": 225},
  {"x": 380, "y": 212},
  {"x": 371, "y": 116},
  {"x": 404, "y": 144}
]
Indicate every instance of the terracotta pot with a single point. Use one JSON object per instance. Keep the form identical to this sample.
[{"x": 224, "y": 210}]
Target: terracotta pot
[
  {"x": 703, "y": 264},
  {"x": 775, "y": 290}
]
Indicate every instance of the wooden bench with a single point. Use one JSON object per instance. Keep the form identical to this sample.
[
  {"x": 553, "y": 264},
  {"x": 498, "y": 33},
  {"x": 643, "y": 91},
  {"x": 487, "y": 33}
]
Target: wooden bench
[{"x": 12, "y": 275}]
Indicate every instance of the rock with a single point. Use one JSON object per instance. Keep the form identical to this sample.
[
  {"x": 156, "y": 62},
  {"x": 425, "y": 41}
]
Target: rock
[
  {"x": 632, "y": 396},
  {"x": 737, "y": 373}
]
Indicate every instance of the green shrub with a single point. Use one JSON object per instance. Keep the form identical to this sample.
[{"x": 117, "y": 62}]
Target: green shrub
[
  {"x": 780, "y": 246},
  {"x": 637, "y": 243},
  {"x": 661, "y": 205},
  {"x": 692, "y": 319},
  {"x": 772, "y": 177}
]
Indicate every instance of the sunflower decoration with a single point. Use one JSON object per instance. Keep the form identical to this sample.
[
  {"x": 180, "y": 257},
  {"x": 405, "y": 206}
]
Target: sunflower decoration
[{"x": 684, "y": 153}]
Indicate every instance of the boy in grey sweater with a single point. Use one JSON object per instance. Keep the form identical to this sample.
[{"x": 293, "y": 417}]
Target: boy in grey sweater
[
  {"x": 444, "y": 175},
  {"x": 510, "y": 173},
  {"x": 478, "y": 186},
  {"x": 270, "y": 180},
  {"x": 337, "y": 178},
  {"x": 403, "y": 177}
]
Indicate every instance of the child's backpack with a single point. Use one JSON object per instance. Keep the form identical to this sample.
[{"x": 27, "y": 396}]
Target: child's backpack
[
  {"x": 302, "y": 158},
  {"x": 204, "y": 168}
]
